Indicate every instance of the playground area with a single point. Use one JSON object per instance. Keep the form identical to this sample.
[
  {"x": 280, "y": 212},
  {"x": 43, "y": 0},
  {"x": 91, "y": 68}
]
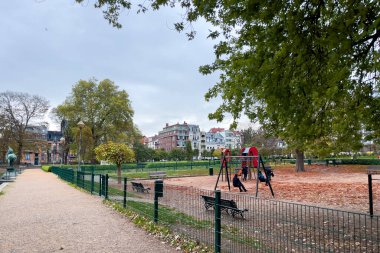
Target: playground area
[
  {"x": 344, "y": 187},
  {"x": 332, "y": 217}
]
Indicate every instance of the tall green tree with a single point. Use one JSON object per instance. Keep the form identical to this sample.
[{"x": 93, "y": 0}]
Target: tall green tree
[
  {"x": 160, "y": 154},
  {"x": 196, "y": 152},
  {"x": 306, "y": 70},
  {"x": 117, "y": 153},
  {"x": 265, "y": 142},
  {"x": 104, "y": 108},
  {"x": 18, "y": 110},
  {"x": 217, "y": 153},
  {"x": 142, "y": 152},
  {"x": 177, "y": 154},
  {"x": 189, "y": 151}
]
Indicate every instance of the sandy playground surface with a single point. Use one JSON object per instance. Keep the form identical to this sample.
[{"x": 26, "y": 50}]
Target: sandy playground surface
[{"x": 344, "y": 187}]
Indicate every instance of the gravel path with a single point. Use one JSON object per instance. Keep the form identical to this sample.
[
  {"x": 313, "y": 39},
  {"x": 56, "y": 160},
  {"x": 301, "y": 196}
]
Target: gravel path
[{"x": 40, "y": 213}]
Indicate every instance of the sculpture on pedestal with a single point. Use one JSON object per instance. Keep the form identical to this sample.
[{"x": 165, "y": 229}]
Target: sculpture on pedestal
[{"x": 11, "y": 157}]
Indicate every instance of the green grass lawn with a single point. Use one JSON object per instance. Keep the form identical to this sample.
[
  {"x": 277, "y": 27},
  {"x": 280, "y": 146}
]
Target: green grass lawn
[
  {"x": 170, "y": 216},
  {"x": 169, "y": 173}
]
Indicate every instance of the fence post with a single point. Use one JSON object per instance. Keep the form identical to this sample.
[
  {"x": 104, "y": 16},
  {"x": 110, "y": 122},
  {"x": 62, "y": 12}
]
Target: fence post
[
  {"x": 125, "y": 193},
  {"x": 100, "y": 185},
  {"x": 155, "y": 218},
  {"x": 158, "y": 192},
  {"x": 106, "y": 186},
  {"x": 370, "y": 194},
  {"x": 83, "y": 175},
  {"x": 92, "y": 182},
  {"x": 218, "y": 239}
]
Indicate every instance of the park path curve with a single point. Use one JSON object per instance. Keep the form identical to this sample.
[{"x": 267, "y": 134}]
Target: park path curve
[{"x": 40, "y": 213}]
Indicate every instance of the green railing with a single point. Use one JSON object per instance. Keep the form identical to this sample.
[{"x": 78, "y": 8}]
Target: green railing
[{"x": 263, "y": 226}]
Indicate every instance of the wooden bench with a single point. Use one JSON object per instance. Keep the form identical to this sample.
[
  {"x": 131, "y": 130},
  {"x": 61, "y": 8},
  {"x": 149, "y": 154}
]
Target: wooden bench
[
  {"x": 138, "y": 187},
  {"x": 157, "y": 174},
  {"x": 228, "y": 205},
  {"x": 320, "y": 162}
]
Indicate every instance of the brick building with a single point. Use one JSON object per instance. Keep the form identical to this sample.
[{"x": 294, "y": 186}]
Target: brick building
[{"x": 174, "y": 136}]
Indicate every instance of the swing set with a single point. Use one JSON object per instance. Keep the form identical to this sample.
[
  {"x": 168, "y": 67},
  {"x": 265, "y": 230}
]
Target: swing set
[{"x": 249, "y": 158}]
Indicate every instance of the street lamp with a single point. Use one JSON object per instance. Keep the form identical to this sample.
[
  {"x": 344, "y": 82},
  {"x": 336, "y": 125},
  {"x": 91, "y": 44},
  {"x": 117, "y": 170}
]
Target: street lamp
[
  {"x": 80, "y": 125},
  {"x": 62, "y": 141},
  {"x": 54, "y": 153}
]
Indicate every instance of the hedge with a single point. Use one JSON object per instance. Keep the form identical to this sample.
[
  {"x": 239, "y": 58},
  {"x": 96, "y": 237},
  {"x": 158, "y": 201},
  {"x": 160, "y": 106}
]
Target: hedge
[
  {"x": 340, "y": 161},
  {"x": 46, "y": 168},
  {"x": 181, "y": 163},
  {"x": 361, "y": 161}
]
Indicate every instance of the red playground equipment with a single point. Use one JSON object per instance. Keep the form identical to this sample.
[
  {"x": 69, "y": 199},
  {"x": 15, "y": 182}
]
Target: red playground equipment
[
  {"x": 249, "y": 157},
  {"x": 250, "y": 163}
]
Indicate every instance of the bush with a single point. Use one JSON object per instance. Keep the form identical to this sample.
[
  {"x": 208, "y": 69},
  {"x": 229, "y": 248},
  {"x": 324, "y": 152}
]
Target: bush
[
  {"x": 97, "y": 168},
  {"x": 46, "y": 168},
  {"x": 181, "y": 164},
  {"x": 361, "y": 161}
]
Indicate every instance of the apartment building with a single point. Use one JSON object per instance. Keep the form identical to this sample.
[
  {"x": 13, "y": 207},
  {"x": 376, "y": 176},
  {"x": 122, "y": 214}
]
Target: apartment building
[
  {"x": 195, "y": 136},
  {"x": 232, "y": 139},
  {"x": 214, "y": 141},
  {"x": 174, "y": 136},
  {"x": 152, "y": 142}
]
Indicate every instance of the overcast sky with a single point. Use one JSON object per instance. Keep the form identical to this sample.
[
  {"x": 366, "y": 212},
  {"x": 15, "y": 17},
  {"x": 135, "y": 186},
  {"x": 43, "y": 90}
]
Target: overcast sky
[{"x": 47, "y": 46}]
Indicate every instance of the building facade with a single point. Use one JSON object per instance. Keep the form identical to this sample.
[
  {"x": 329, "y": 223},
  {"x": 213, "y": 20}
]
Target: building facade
[
  {"x": 35, "y": 146},
  {"x": 55, "y": 147},
  {"x": 195, "y": 138},
  {"x": 174, "y": 136}
]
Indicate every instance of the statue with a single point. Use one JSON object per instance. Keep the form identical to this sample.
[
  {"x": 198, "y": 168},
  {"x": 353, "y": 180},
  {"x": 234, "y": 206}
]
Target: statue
[{"x": 11, "y": 157}]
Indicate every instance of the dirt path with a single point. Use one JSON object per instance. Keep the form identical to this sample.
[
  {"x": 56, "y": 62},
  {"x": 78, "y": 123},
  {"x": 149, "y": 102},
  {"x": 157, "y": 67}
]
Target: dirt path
[{"x": 40, "y": 213}]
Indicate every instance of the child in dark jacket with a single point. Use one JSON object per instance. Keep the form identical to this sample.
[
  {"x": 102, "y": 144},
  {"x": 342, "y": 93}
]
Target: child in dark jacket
[
  {"x": 245, "y": 173},
  {"x": 237, "y": 183}
]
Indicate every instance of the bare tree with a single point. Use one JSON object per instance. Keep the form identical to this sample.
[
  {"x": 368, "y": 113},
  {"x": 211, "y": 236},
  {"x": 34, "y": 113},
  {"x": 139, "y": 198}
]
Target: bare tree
[{"x": 18, "y": 110}]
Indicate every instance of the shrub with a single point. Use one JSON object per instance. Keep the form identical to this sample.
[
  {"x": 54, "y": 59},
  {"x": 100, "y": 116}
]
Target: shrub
[
  {"x": 361, "y": 161},
  {"x": 46, "y": 168}
]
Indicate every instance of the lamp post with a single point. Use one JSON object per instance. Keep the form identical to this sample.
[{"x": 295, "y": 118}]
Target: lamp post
[
  {"x": 80, "y": 125},
  {"x": 54, "y": 155},
  {"x": 62, "y": 142}
]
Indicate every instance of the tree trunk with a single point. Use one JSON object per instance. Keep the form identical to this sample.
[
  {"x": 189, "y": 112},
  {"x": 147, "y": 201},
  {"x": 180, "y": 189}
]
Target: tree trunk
[
  {"x": 119, "y": 173},
  {"x": 66, "y": 152},
  {"x": 300, "y": 167},
  {"x": 19, "y": 153}
]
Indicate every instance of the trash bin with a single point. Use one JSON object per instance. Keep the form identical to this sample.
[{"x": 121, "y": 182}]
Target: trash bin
[
  {"x": 210, "y": 171},
  {"x": 309, "y": 162},
  {"x": 159, "y": 188}
]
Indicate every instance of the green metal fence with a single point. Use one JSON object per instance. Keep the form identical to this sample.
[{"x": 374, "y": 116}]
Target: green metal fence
[{"x": 235, "y": 222}]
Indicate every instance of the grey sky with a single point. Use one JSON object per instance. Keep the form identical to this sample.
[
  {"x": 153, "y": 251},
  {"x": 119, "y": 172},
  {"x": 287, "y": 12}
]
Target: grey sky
[{"x": 47, "y": 46}]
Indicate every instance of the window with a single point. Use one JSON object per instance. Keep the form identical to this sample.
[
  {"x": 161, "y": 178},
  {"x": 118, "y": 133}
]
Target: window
[{"x": 27, "y": 156}]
